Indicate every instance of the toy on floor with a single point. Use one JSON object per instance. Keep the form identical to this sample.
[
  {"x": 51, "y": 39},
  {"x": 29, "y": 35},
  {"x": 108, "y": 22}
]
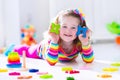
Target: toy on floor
[
  {"x": 24, "y": 68},
  {"x": 105, "y": 76},
  {"x": 14, "y": 73},
  {"x": 115, "y": 64},
  {"x": 3, "y": 70},
  {"x": 84, "y": 68},
  {"x": 28, "y": 35},
  {"x": 70, "y": 78},
  {"x": 114, "y": 28},
  {"x": 33, "y": 70},
  {"x": 81, "y": 30},
  {"x": 110, "y": 69},
  {"x": 55, "y": 28},
  {"x": 24, "y": 77},
  {"x": 9, "y": 49},
  {"x": 72, "y": 72},
  {"x": 67, "y": 68},
  {"x": 42, "y": 73},
  {"x": 13, "y": 60},
  {"x": 24, "y": 59},
  {"x": 46, "y": 76}
]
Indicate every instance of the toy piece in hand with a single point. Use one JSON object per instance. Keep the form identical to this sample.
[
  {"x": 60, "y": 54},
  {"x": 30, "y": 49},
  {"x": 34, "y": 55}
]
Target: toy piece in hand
[
  {"x": 55, "y": 28},
  {"x": 82, "y": 30}
]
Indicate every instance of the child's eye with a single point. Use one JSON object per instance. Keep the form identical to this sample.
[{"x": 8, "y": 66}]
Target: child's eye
[
  {"x": 64, "y": 26},
  {"x": 73, "y": 27}
]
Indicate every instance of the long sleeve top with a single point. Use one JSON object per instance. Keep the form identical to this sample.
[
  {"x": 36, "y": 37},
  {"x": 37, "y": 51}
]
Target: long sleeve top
[{"x": 54, "y": 53}]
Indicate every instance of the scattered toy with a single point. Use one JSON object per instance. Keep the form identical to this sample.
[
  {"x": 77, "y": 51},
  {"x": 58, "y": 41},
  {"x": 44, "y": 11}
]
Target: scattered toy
[
  {"x": 33, "y": 70},
  {"x": 105, "y": 76},
  {"x": 67, "y": 68},
  {"x": 72, "y": 72},
  {"x": 46, "y": 76},
  {"x": 24, "y": 77},
  {"x": 14, "y": 73},
  {"x": 55, "y": 28},
  {"x": 70, "y": 78},
  {"x": 110, "y": 69},
  {"x": 3, "y": 70}
]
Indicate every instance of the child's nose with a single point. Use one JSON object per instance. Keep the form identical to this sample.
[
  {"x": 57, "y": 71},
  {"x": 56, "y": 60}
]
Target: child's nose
[{"x": 68, "y": 30}]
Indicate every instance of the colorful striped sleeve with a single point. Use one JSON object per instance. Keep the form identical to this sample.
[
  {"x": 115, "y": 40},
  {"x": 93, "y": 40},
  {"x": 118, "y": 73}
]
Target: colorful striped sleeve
[
  {"x": 87, "y": 54},
  {"x": 52, "y": 53}
]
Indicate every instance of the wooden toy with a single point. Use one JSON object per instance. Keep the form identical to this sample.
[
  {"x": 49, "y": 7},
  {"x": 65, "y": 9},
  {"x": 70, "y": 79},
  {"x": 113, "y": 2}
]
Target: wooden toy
[
  {"x": 55, "y": 28},
  {"x": 13, "y": 60},
  {"x": 3, "y": 70},
  {"x": 81, "y": 30},
  {"x": 14, "y": 73},
  {"x": 67, "y": 68},
  {"x": 105, "y": 76},
  {"x": 110, "y": 69},
  {"x": 24, "y": 77},
  {"x": 46, "y": 76}
]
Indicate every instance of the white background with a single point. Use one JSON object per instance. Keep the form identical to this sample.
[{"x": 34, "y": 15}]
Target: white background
[{"x": 14, "y": 14}]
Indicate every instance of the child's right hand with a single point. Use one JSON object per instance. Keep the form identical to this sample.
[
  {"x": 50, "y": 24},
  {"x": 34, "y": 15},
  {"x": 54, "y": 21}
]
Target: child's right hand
[{"x": 53, "y": 36}]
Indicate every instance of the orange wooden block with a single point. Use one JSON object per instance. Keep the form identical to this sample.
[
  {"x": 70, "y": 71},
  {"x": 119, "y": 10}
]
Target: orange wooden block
[
  {"x": 117, "y": 40},
  {"x": 104, "y": 76},
  {"x": 24, "y": 77}
]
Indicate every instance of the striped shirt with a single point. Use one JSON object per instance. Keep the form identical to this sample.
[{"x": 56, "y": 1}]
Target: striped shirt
[{"x": 54, "y": 53}]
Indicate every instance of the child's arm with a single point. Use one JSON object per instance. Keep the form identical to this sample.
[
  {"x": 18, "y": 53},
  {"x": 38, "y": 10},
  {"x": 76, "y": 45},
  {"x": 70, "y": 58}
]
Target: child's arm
[
  {"x": 87, "y": 53},
  {"x": 52, "y": 53}
]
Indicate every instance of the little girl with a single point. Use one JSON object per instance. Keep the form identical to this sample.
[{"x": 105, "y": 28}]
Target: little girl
[{"x": 65, "y": 45}]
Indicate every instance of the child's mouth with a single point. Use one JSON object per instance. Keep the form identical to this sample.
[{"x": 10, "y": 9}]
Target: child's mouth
[{"x": 67, "y": 35}]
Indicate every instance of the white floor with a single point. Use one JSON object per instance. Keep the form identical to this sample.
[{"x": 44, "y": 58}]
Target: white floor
[{"x": 105, "y": 54}]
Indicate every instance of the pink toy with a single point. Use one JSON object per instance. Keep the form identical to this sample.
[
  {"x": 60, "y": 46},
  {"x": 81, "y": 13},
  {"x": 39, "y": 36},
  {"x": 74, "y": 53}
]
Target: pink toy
[
  {"x": 31, "y": 51},
  {"x": 14, "y": 73},
  {"x": 21, "y": 48},
  {"x": 72, "y": 72},
  {"x": 84, "y": 68},
  {"x": 42, "y": 73}
]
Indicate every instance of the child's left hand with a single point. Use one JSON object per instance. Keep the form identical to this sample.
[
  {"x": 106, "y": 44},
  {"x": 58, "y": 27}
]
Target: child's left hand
[{"x": 85, "y": 40}]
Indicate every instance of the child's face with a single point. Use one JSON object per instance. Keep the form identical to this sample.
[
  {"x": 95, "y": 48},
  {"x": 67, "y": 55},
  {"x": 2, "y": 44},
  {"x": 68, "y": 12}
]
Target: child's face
[{"x": 68, "y": 28}]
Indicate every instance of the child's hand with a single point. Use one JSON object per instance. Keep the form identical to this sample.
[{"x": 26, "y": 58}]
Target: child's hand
[
  {"x": 85, "y": 41},
  {"x": 53, "y": 35}
]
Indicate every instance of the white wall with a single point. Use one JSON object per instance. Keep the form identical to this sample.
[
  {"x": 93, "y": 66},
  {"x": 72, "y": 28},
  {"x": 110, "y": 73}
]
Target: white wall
[
  {"x": 105, "y": 11},
  {"x": 85, "y": 5},
  {"x": 35, "y": 12},
  {"x": 14, "y": 14},
  {"x": 1, "y": 24},
  {"x": 11, "y": 21},
  {"x": 98, "y": 13}
]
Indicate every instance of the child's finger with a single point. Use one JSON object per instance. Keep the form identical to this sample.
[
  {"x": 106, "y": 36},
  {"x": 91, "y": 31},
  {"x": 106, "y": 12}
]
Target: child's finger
[{"x": 88, "y": 33}]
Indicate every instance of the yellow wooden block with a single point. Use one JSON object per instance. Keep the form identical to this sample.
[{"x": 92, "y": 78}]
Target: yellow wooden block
[
  {"x": 110, "y": 69},
  {"x": 3, "y": 70},
  {"x": 67, "y": 68}
]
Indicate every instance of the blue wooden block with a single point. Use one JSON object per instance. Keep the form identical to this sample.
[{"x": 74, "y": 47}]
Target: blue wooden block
[{"x": 82, "y": 30}]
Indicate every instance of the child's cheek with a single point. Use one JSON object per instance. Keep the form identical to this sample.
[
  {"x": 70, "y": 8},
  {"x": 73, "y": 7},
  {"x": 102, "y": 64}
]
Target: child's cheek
[{"x": 74, "y": 32}]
